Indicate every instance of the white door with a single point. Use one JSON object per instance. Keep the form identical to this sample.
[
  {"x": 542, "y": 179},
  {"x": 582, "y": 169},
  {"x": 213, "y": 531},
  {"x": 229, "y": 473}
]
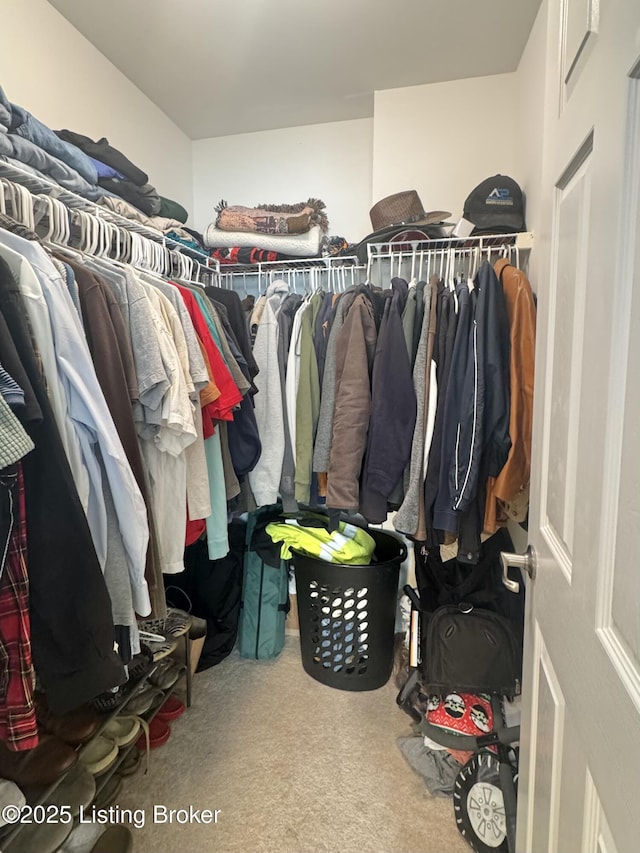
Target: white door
[{"x": 579, "y": 784}]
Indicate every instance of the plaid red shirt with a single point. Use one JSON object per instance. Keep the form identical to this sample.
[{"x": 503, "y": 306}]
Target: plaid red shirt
[{"x": 18, "y": 727}]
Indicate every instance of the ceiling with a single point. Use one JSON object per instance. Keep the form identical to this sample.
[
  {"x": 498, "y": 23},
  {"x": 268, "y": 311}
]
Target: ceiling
[{"x": 221, "y": 67}]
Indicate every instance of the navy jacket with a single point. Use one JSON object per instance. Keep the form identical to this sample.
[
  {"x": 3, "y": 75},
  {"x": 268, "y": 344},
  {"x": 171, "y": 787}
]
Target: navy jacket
[{"x": 478, "y": 400}]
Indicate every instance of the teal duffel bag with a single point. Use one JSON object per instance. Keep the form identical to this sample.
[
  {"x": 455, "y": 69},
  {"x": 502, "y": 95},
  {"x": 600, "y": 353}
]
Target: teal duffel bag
[{"x": 265, "y": 594}]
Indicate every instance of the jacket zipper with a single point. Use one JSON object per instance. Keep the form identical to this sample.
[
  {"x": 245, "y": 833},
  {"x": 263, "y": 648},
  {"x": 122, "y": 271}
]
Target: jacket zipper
[{"x": 475, "y": 414}]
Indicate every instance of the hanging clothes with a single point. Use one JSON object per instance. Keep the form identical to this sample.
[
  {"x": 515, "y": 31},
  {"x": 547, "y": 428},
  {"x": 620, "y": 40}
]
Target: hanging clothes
[
  {"x": 389, "y": 437},
  {"x": 68, "y": 598},
  {"x": 269, "y": 411},
  {"x": 355, "y": 348},
  {"x": 511, "y": 484}
]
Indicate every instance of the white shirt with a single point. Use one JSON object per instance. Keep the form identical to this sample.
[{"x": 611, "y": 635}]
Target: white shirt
[
  {"x": 40, "y": 323},
  {"x": 293, "y": 375},
  {"x": 89, "y": 413}
]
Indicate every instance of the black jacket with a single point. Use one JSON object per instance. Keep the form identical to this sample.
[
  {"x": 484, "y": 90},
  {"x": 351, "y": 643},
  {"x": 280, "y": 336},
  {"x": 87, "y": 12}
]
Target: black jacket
[
  {"x": 478, "y": 400},
  {"x": 393, "y": 411},
  {"x": 105, "y": 153}
]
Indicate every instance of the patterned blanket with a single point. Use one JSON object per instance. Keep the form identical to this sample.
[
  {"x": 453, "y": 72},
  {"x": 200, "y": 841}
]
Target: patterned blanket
[{"x": 273, "y": 219}]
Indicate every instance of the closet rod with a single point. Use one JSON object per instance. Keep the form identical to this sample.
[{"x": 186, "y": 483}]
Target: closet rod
[
  {"x": 409, "y": 257},
  {"x": 297, "y": 264},
  {"x": 39, "y": 185},
  {"x": 522, "y": 240},
  {"x": 96, "y": 235}
]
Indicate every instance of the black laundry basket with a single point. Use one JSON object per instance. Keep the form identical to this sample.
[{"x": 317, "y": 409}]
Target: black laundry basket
[{"x": 347, "y": 616}]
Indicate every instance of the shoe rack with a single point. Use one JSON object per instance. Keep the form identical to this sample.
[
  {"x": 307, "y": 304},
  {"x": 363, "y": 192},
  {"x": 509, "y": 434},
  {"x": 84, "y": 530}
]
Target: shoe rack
[{"x": 132, "y": 689}]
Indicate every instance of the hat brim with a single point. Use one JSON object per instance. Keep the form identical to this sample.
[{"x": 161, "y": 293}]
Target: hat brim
[
  {"x": 492, "y": 224},
  {"x": 434, "y": 217},
  {"x": 384, "y": 235}
]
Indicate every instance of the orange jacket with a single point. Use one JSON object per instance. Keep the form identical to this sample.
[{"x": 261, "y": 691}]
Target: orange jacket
[{"x": 514, "y": 476}]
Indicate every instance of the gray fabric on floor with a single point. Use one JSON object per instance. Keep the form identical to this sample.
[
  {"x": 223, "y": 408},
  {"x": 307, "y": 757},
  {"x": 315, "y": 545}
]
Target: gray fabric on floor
[{"x": 438, "y": 769}]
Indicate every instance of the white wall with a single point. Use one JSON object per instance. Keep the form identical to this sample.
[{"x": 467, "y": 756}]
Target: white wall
[
  {"x": 442, "y": 139},
  {"x": 331, "y": 161},
  {"x": 49, "y": 68},
  {"x": 531, "y": 84}
]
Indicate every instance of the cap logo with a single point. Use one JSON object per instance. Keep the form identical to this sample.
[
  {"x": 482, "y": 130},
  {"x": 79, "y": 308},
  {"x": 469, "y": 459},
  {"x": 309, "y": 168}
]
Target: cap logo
[{"x": 500, "y": 195}]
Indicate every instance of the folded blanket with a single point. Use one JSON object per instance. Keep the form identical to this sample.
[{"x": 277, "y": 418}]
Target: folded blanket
[
  {"x": 27, "y": 126},
  {"x": 299, "y": 245},
  {"x": 246, "y": 255},
  {"x": 272, "y": 219},
  {"x": 105, "y": 153}
]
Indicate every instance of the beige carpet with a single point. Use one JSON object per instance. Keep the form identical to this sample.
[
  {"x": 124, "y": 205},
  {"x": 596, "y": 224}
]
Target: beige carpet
[{"x": 293, "y": 766}]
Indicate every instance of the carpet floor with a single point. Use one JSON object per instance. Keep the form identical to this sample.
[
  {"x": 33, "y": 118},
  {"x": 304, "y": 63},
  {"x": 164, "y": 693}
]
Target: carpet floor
[{"x": 292, "y": 766}]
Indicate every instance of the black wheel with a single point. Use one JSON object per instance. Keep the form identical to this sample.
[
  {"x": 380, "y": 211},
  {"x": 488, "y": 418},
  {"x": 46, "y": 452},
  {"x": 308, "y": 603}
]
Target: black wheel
[{"x": 479, "y": 805}]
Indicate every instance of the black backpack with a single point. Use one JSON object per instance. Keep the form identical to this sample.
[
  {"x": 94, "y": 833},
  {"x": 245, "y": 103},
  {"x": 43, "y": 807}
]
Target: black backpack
[{"x": 471, "y": 626}]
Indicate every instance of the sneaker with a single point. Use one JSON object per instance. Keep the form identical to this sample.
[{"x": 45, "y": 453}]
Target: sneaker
[
  {"x": 159, "y": 648},
  {"x": 175, "y": 624},
  {"x": 167, "y": 673}
]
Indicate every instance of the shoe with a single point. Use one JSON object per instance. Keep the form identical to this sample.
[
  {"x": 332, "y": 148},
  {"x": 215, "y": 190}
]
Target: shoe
[
  {"x": 83, "y": 838},
  {"x": 140, "y": 665},
  {"x": 171, "y": 709},
  {"x": 43, "y": 837},
  {"x": 78, "y": 788},
  {"x": 109, "y": 793},
  {"x": 159, "y": 733},
  {"x": 41, "y": 765},
  {"x": 175, "y": 624},
  {"x": 75, "y": 727},
  {"x": 137, "y": 669},
  {"x": 116, "y": 839},
  {"x": 130, "y": 764},
  {"x": 198, "y": 627},
  {"x": 141, "y": 702},
  {"x": 10, "y": 795},
  {"x": 166, "y": 676},
  {"x": 122, "y": 730},
  {"x": 159, "y": 649},
  {"x": 99, "y": 755}
]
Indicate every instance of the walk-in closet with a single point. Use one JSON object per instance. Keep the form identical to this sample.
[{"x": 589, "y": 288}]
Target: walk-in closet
[{"x": 318, "y": 426}]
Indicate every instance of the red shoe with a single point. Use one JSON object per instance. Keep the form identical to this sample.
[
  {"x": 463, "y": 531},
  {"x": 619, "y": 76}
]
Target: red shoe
[
  {"x": 159, "y": 733},
  {"x": 171, "y": 709}
]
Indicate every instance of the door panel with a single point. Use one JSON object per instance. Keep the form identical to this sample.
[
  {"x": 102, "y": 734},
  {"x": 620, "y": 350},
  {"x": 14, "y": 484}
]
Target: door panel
[
  {"x": 581, "y": 683},
  {"x": 580, "y": 25},
  {"x": 572, "y": 795},
  {"x": 620, "y": 614},
  {"x": 596, "y": 833},
  {"x": 546, "y": 766},
  {"x": 567, "y": 298}
]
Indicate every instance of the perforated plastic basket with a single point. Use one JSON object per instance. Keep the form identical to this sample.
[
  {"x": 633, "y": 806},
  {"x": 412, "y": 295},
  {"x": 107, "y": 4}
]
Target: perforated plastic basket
[{"x": 347, "y": 616}]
